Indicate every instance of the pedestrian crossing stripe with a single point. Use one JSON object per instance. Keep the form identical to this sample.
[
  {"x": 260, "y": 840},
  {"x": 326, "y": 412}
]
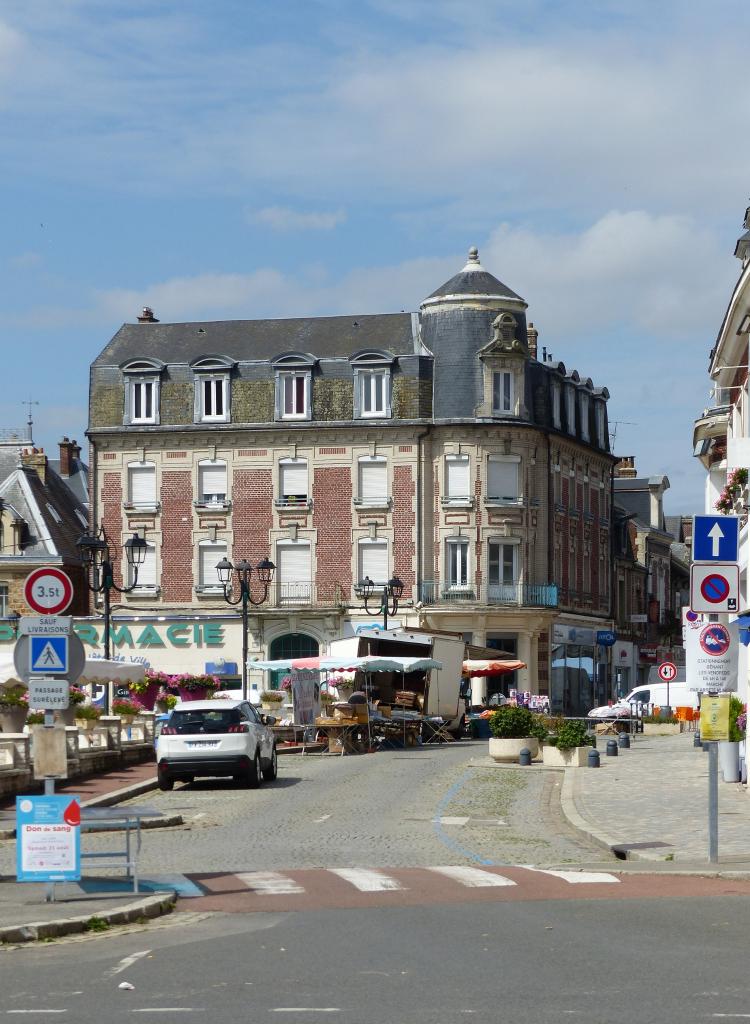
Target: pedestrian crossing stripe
[{"x": 48, "y": 654}]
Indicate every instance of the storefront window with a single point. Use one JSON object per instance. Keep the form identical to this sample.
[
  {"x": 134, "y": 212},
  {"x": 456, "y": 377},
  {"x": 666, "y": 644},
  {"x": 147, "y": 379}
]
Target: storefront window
[{"x": 572, "y": 690}]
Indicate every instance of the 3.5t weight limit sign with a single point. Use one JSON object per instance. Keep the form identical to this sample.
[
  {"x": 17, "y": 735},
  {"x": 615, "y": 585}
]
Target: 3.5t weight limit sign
[
  {"x": 714, "y": 588},
  {"x": 48, "y": 590}
]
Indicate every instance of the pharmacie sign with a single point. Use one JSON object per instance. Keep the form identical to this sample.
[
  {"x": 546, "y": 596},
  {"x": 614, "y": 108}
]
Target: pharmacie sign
[{"x": 143, "y": 635}]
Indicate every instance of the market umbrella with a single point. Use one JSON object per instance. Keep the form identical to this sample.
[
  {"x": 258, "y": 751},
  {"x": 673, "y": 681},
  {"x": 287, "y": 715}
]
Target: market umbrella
[{"x": 485, "y": 667}]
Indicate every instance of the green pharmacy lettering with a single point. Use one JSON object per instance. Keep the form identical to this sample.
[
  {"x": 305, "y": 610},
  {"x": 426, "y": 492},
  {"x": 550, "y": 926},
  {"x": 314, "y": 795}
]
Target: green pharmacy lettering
[
  {"x": 206, "y": 634},
  {"x": 176, "y": 637},
  {"x": 150, "y": 638},
  {"x": 7, "y": 633}
]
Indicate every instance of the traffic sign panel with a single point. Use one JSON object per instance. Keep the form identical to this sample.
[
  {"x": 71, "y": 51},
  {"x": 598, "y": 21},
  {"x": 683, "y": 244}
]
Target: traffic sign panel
[
  {"x": 48, "y": 655},
  {"x": 76, "y": 658},
  {"x": 716, "y": 538},
  {"x": 714, "y": 587},
  {"x": 49, "y": 694},
  {"x": 48, "y": 590},
  {"x": 667, "y": 671},
  {"x": 714, "y": 640}
]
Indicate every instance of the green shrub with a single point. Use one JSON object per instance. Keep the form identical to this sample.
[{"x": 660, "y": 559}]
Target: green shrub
[
  {"x": 572, "y": 734},
  {"x": 540, "y": 727},
  {"x": 736, "y": 707},
  {"x": 511, "y": 723}
]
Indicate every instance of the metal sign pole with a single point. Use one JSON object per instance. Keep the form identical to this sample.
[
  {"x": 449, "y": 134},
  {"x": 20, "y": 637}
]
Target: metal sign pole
[
  {"x": 49, "y": 790},
  {"x": 713, "y": 802}
]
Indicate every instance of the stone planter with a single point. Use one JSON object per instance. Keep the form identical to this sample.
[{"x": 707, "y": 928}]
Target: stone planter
[
  {"x": 661, "y": 729},
  {"x": 87, "y": 724},
  {"x": 507, "y": 750},
  {"x": 68, "y": 715},
  {"x": 574, "y": 757},
  {"x": 729, "y": 760},
  {"x": 12, "y": 719}
]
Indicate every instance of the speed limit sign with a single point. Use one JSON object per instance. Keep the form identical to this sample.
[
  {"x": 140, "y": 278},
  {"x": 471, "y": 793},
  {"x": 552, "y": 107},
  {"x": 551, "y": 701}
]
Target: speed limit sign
[{"x": 667, "y": 671}]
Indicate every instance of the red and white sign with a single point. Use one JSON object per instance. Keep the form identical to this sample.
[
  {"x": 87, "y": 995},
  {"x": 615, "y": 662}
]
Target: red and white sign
[
  {"x": 715, "y": 587},
  {"x": 667, "y": 671},
  {"x": 48, "y": 590}
]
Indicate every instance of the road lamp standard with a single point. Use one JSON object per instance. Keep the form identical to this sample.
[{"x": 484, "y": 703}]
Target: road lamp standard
[
  {"x": 100, "y": 573},
  {"x": 389, "y": 595},
  {"x": 264, "y": 571}
]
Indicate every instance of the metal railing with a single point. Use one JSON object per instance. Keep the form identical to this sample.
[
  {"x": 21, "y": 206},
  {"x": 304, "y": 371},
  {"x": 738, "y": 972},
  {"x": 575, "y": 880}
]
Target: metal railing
[{"x": 537, "y": 595}]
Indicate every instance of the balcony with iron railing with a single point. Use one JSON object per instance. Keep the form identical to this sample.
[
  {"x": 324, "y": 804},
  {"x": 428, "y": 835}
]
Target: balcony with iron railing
[{"x": 520, "y": 594}]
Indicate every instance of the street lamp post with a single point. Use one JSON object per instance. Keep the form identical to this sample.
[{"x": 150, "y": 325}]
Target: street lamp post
[
  {"x": 100, "y": 573},
  {"x": 389, "y": 596},
  {"x": 264, "y": 571}
]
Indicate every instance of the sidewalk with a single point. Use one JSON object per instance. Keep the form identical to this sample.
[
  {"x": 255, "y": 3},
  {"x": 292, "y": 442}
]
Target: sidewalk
[
  {"x": 651, "y": 802},
  {"x": 24, "y": 914}
]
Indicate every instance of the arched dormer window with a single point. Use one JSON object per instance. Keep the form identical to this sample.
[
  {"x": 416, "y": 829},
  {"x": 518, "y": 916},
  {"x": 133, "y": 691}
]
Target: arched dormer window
[
  {"x": 293, "y": 386},
  {"x": 372, "y": 384},
  {"x": 142, "y": 385},
  {"x": 212, "y": 399}
]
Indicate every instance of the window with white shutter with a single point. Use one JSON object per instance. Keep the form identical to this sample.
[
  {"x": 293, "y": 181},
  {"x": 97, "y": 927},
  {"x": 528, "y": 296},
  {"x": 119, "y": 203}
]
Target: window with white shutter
[
  {"x": 457, "y": 483},
  {"x": 502, "y": 392},
  {"x": 503, "y": 572},
  {"x": 373, "y": 482},
  {"x": 209, "y": 556},
  {"x": 294, "y": 572},
  {"x": 142, "y": 485},
  {"x": 457, "y": 563},
  {"x": 293, "y": 482},
  {"x": 502, "y": 481},
  {"x": 373, "y": 561},
  {"x": 146, "y": 572},
  {"x": 212, "y": 483}
]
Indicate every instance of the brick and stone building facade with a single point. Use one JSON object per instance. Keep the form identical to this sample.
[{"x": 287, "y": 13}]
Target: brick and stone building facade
[{"x": 438, "y": 446}]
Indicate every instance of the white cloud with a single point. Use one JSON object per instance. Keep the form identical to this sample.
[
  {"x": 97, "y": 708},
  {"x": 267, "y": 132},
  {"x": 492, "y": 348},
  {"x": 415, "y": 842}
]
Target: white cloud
[
  {"x": 25, "y": 260},
  {"x": 282, "y": 218}
]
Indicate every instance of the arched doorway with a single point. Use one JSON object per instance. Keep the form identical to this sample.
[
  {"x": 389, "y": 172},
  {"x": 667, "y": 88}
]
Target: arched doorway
[{"x": 291, "y": 645}]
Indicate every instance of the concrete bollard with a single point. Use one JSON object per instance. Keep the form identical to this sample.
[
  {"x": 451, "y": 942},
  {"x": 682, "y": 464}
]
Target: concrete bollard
[
  {"x": 611, "y": 748},
  {"x": 623, "y": 741},
  {"x": 593, "y": 759},
  {"x": 524, "y": 757},
  {"x": 697, "y": 739}
]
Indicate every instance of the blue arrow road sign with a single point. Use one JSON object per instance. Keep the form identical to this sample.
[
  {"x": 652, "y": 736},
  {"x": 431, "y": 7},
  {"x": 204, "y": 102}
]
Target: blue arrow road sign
[
  {"x": 716, "y": 538},
  {"x": 48, "y": 655}
]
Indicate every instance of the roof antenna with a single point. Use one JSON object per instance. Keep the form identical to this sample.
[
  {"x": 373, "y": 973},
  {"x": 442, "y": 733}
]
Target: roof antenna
[{"x": 30, "y": 421}]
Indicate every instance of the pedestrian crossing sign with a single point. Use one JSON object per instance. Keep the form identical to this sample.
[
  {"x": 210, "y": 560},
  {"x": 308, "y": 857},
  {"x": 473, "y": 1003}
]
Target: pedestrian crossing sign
[{"x": 48, "y": 655}]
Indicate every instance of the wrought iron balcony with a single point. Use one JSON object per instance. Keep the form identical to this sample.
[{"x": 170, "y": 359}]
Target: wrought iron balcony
[{"x": 532, "y": 595}]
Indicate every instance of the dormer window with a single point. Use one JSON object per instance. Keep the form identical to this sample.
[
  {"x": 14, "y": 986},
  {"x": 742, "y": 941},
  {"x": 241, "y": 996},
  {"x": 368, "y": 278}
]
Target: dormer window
[
  {"x": 570, "y": 409},
  {"x": 584, "y": 404},
  {"x": 503, "y": 402},
  {"x": 142, "y": 378},
  {"x": 212, "y": 394},
  {"x": 556, "y": 418},
  {"x": 600, "y": 424},
  {"x": 372, "y": 385},
  {"x": 294, "y": 387}
]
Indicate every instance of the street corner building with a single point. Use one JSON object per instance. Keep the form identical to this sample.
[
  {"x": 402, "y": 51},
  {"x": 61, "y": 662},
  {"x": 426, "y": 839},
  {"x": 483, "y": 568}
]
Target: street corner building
[{"x": 443, "y": 447}]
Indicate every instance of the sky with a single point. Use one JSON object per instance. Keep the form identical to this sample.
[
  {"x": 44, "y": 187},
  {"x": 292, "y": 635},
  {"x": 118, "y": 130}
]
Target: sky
[{"x": 220, "y": 159}]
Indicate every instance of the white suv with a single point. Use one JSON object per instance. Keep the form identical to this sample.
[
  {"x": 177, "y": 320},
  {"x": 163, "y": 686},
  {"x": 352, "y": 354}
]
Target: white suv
[{"x": 216, "y": 737}]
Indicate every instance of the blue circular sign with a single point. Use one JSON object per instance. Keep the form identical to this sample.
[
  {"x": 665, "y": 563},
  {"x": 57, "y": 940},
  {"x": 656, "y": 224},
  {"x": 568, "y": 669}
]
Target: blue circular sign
[{"x": 715, "y": 588}]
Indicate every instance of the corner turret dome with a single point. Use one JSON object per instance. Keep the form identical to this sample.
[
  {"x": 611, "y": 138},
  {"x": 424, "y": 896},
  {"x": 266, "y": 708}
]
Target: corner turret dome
[{"x": 472, "y": 286}]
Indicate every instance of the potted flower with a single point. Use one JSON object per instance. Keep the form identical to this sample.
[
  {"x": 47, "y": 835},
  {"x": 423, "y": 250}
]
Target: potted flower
[
  {"x": 147, "y": 689},
  {"x": 87, "y": 716},
  {"x": 512, "y": 728},
  {"x": 127, "y": 709},
  {"x": 14, "y": 707},
  {"x": 76, "y": 697},
  {"x": 571, "y": 745},
  {"x": 269, "y": 699},
  {"x": 729, "y": 750},
  {"x": 192, "y": 687},
  {"x": 165, "y": 701},
  {"x": 344, "y": 684}
]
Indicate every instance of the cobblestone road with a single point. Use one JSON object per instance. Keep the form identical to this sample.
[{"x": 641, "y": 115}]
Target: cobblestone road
[{"x": 400, "y": 808}]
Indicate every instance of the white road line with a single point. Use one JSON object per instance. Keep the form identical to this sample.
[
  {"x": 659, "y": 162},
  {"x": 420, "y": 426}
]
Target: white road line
[
  {"x": 366, "y": 880},
  {"x": 474, "y": 878},
  {"x": 36, "y": 1011},
  {"x": 317, "y": 821},
  {"x": 451, "y": 821},
  {"x": 128, "y": 961},
  {"x": 170, "y": 1009},
  {"x": 578, "y": 877},
  {"x": 270, "y": 883},
  {"x": 306, "y": 1009}
]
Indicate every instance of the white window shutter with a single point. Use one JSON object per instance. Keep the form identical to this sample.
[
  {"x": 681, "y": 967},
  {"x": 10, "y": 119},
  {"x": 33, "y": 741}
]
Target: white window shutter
[
  {"x": 502, "y": 479},
  {"x": 213, "y": 479},
  {"x": 147, "y": 570},
  {"x": 294, "y": 572},
  {"x": 373, "y": 561},
  {"x": 457, "y": 471},
  {"x": 210, "y": 556},
  {"x": 294, "y": 478},
  {"x": 142, "y": 481},
  {"x": 373, "y": 481}
]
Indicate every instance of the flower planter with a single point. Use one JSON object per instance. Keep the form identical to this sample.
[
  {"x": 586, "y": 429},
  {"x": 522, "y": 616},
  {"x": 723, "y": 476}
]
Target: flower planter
[
  {"x": 574, "y": 757},
  {"x": 68, "y": 715},
  {"x": 147, "y": 697},
  {"x": 196, "y": 693},
  {"x": 661, "y": 729},
  {"x": 13, "y": 719},
  {"x": 87, "y": 724},
  {"x": 505, "y": 750}
]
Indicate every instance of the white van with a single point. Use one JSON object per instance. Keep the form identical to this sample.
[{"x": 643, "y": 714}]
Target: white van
[{"x": 650, "y": 695}]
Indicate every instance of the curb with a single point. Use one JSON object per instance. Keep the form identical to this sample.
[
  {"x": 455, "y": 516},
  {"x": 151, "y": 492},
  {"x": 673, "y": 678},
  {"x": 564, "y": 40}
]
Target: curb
[{"x": 149, "y": 907}]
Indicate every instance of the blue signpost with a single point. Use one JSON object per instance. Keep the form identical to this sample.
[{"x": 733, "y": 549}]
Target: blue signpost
[{"x": 716, "y": 538}]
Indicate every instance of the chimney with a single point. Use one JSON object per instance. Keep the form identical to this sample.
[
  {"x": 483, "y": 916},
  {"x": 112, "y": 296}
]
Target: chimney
[
  {"x": 625, "y": 469},
  {"x": 67, "y": 455},
  {"x": 147, "y": 316},
  {"x": 532, "y": 336},
  {"x": 34, "y": 458}
]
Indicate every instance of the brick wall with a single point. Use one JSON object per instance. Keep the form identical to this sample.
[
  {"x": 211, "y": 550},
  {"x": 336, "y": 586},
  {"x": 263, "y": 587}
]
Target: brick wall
[
  {"x": 252, "y": 518},
  {"x": 111, "y": 499},
  {"x": 332, "y": 518},
  {"x": 177, "y": 535},
  {"x": 404, "y": 525}
]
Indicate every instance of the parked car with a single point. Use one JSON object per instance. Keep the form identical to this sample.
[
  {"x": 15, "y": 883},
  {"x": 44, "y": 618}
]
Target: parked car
[{"x": 216, "y": 738}]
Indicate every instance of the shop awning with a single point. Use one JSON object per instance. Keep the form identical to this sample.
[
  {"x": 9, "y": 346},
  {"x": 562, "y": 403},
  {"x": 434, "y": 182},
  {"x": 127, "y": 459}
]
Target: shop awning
[
  {"x": 485, "y": 667},
  {"x": 743, "y": 624},
  {"x": 367, "y": 663}
]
